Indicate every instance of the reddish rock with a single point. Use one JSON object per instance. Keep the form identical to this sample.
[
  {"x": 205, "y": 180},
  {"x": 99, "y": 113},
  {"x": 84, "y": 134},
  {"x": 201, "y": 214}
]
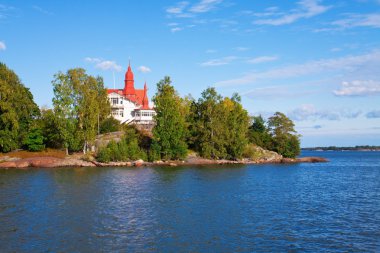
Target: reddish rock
[
  {"x": 138, "y": 163},
  {"x": 8, "y": 165},
  {"x": 312, "y": 160}
]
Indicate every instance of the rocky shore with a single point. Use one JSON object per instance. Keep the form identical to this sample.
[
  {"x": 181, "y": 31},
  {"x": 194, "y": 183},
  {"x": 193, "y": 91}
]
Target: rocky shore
[{"x": 52, "y": 162}]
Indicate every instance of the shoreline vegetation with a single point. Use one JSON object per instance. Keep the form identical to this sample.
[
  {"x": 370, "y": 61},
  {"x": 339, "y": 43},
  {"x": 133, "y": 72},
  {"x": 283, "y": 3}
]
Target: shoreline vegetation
[
  {"x": 334, "y": 148},
  {"x": 212, "y": 129}
]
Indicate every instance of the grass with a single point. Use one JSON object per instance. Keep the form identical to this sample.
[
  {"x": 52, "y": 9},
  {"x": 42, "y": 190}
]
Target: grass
[{"x": 26, "y": 154}]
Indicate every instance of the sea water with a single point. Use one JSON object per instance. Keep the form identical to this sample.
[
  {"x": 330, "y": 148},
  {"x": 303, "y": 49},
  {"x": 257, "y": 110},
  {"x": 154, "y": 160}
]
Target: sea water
[{"x": 316, "y": 207}]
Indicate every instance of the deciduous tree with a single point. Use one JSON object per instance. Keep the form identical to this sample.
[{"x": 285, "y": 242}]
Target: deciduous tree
[
  {"x": 170, "y": 131},
  {"x": 17, "y": 110}
]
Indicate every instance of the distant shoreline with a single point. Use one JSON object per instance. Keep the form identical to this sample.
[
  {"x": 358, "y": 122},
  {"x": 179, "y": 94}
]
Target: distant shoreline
[{"x": 333, "y": 148}]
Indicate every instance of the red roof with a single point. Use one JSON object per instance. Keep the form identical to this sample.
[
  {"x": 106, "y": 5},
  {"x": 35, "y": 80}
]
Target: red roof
[{"x": 136, "y": 96}]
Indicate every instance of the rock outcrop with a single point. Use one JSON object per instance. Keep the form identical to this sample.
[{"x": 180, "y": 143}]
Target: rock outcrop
[{"x": 46, "y": 162}]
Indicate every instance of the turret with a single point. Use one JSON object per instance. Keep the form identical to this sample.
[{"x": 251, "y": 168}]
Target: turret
[
  {"x": 129, "y": 82},
  {"x": 145, "y": 101}
]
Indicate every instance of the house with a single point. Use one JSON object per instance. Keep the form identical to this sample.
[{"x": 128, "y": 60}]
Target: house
[{"x": 130, "y": 105}]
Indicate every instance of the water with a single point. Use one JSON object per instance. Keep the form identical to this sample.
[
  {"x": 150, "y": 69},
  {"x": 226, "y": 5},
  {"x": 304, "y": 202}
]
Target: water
[{"x": 325, "y": 207}]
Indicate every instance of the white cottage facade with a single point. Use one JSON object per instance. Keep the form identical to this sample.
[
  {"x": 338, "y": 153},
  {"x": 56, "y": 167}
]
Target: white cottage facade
[{"x": 130, "y": 105}]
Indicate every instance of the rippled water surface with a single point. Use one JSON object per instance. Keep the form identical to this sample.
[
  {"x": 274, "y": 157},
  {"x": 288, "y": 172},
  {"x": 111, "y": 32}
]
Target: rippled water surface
[{"x": 326, "y": 207}]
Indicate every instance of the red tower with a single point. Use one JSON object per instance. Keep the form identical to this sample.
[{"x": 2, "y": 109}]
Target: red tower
[
  {"x": 129, "y": 82},
  {"x": 145, "y": 101}
]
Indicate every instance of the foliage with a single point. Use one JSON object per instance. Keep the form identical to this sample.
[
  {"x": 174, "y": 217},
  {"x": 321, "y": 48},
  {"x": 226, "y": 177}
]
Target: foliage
[
  {"x": 109, "y": 125},
  {"x": 258, "y": 133},
  {"x": 80, "y": 102},
  {"x": 285, "y": 139},
  {"x": 218, "y": 126},
  {"x": 128, "y": 149},
  {"x": 17, "y": 110},
  {"x": 170, "y": 131},
  {"x": 34, "y": 140},
  {"x": 48, "y": 122}
]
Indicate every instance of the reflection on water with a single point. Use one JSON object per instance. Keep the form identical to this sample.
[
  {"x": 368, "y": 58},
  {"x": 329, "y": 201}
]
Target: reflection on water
[{"x": 332, "y": 207}]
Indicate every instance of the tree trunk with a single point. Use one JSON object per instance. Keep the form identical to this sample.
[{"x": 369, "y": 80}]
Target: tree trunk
[{"x": 85, "y": 147}]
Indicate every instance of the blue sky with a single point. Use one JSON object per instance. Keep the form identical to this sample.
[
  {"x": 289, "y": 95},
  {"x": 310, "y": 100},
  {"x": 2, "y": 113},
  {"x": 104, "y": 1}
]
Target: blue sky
[{"x": 316, "y": 61}]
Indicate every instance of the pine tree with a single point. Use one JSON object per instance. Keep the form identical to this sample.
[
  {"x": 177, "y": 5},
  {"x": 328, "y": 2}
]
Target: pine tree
[{"x": 285, "y": 138}]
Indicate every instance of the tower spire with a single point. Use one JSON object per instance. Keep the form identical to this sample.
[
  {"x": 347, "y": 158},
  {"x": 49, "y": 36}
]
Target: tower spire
[
  {"x": 129, "y": 87},
  {"x": 145, "y": 101}
]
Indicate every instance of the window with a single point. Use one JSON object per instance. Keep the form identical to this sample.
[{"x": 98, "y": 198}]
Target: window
[
  {"x": 121, "y": 112},
  {"x": 114, "y": 101}
]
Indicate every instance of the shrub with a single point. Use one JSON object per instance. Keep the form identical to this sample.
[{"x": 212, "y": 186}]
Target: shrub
[
  {"x": 34, "y": 141},
  {"x": 109, "y": 125}
]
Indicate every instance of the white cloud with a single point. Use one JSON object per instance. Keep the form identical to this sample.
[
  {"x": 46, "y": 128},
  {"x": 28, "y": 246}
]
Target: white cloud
[
  {"x": 219, "y": 62},
  {"x": 184, "y": 10},
  {"x": 144, "y": 69},
  {"x": 178, "y": 9},
  {"x": 335, "y": 49},
  {"x": 373, "y": 114},
  {"x": 104, "y": 64},
  {"x": 309, "y": 112},
  {"x": 359, "y": 20},
  {"x": 176, "y": 29},
  {"x": 2, "y": 45},
  {"x": 108, "y": 65},
  {"x": 307, "y": 9},
  {"x": 204, "y": 6},
  {"x": 371, "y": 61},
  {"x": 92, "y": 60},
  {"x": 277, "y": 92},
  {"x": 359, "y": 88},
  {"x": 41, "y": 10},
  {"x": 211, "y": 51},
  {"x": 262, "y": 59},
  {"x": 6, "y": 11},
  {"x": 241, "y": 49}
]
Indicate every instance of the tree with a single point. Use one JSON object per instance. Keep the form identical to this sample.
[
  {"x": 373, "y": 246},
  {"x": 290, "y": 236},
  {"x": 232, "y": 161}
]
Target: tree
[
  {"x": 170, "y": 131},
  {"x": 17, "y": 110},
  {"x": 110, "y": 125},
  {"x": 80, "y": 102},
  {"x": 208, "y": 127},
  {"x": 258, "y": 133},
  {"x": 237, "y": 126},
  {"x": 49, "y": 122},
  {"x": 218, "y": 126},
  {"x": 285, "y": 138},
  {"x": 35, "y": 140}
]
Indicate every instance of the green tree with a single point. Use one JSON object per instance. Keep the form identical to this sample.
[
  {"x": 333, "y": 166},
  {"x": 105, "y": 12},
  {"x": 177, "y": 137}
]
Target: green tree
[
  {"x": 208, "y": 125},
  {"x": 218, "y": 126},
  {"x": 48, "y": 122},
  {"x": 17, "y": 110},
  {"x": 35, "y": 140},
  {"x": 285, "y": 138},
  {"x": 110, "y": 125},
  {"x": 237, "y": 126},
  {"x": 170, "y": 131},
  {"x": 258, "y": 133},
  {"x": 80, "y": 103}
]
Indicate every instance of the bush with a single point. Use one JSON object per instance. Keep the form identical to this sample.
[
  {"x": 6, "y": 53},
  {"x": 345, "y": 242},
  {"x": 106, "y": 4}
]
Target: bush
[
  {"x": 109, "y": 125},
  {"x": 104, "y": 155},
  {"x": 34, "y": 141},
  {"x": 121, "y": 152},
  {"x": 252, "y": 152}
]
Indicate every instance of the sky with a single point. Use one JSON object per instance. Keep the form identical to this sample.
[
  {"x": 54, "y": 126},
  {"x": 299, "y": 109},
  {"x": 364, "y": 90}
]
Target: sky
[{"x": 317, "y": 61}]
